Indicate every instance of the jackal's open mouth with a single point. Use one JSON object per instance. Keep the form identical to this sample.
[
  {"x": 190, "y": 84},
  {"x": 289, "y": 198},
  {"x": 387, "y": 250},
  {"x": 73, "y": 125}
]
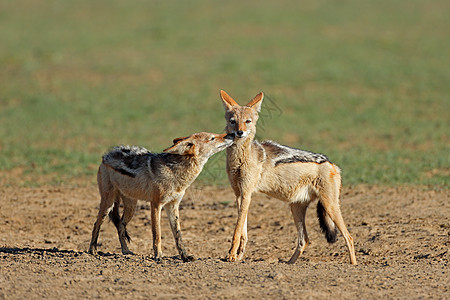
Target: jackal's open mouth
[
  {"x": 230, "y": 136},
  {"x": 224, "y": 145}
]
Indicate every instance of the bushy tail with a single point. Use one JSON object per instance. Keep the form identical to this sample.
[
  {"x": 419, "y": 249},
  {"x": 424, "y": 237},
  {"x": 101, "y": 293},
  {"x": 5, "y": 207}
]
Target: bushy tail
[
  {"x": 114, "y": 216},
  {"x": 326, "y": 224}
]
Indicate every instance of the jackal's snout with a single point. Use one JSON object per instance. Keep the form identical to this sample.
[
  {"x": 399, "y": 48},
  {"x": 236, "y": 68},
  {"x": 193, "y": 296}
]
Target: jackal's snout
[{"x": 229, "y": 136}]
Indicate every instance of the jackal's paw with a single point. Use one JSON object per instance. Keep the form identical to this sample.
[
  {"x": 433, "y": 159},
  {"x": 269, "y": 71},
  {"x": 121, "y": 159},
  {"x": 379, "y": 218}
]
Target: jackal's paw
[
  {"x": 157, "y": 256},
  {"x": 127, "y": 252},
  {"x": 289, "y": 262},
  {"x": 231, "y": 257},
  {"x": 240, "y": 256},
  {"x": 92, "y": 251},
  {"x": 187, "y": 258}
]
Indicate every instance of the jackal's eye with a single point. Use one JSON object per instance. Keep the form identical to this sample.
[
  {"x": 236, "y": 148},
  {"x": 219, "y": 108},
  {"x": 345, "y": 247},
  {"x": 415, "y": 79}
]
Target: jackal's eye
[
  {"x": 213, "y": 138},
  {"x": 190, "y": 144},
  {"x": 248, "y": 121},
  {"x": 232, "y": 121}
]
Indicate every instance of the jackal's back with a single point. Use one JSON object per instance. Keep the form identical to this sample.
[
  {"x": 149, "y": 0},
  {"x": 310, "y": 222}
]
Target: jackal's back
[
  {"x": 281, "y": 154},
  {"x": 127, "y": 160}
]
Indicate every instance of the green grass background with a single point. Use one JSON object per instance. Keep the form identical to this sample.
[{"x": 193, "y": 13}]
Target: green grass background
[{"x": 365, "y": 82}]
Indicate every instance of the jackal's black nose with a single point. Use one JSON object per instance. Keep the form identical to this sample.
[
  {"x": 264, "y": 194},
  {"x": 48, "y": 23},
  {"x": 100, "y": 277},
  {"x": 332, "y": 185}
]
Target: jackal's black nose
[
  {"x": 229, "y": 136},
  {"x": 239, "y": 133}
]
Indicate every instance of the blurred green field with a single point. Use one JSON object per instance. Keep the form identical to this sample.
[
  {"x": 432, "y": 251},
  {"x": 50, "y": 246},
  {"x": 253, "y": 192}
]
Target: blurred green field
[{"x": 365, "y": 82}]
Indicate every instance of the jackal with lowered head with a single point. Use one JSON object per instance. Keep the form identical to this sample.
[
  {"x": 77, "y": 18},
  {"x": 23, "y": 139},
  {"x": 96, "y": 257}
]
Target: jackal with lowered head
[
  {"x": 130, "y": 173},
  {"x": 292, "y": 175}
]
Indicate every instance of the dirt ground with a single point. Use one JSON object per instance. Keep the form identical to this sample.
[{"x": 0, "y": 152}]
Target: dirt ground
[{"x": 401, "y": 238}]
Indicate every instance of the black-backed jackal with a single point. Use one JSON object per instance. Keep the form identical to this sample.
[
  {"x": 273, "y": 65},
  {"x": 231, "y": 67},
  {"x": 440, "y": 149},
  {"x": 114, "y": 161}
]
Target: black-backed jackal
[
  {"x": 296, "y": 176},
  {"x": 131, "y": 173}
]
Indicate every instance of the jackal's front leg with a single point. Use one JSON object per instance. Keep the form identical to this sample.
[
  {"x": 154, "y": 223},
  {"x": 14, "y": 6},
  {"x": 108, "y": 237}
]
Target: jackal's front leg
[
  {"x": 156, "y": 229},
  {"x": 244, "y": 236},
  {"x": 173, "y": 213},
  {"x": 240, "y": 232},
  {"x": 243, "y": 241}
]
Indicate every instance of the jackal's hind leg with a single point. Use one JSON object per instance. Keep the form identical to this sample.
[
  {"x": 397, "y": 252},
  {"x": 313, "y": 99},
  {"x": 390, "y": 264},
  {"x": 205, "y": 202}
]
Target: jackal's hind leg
[
  {"x": 330, "y": 202},
  {"x": 298, "y": 210},
  {"x": 107, "y": 201}
]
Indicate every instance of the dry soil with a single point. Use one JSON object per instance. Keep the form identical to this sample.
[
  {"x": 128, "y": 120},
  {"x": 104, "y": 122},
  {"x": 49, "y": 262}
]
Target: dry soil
[{"x": 401, "y": 238}]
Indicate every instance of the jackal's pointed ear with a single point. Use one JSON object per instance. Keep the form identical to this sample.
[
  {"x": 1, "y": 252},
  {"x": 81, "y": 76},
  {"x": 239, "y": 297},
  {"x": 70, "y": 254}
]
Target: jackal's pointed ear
[
  {"x": 181, "y": 148},
  {"x": 174, "y": 149},
  {"x": 227, "y": 101},
  {"x": 177, "y": 140},
  {"x": 256, "y": 102},
  {"x": 171, "y": 149}
]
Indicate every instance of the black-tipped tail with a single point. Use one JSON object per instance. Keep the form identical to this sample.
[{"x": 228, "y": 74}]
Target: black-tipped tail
[
  {"x": 114, "y": 216},
  {"x": 326, "y": 224},
  {"x": 127, "y": 236}
]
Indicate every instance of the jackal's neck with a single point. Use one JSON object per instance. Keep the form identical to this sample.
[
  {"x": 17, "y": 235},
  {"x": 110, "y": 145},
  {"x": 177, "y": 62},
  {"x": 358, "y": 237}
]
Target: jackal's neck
[
  {"x": 241, "y": 150},
  {"x": 184, "y": 167}
]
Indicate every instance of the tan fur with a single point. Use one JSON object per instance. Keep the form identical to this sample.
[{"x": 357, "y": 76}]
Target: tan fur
[
  {"x": 252, "y": 167},
  {"x": 160, "y": 179}
]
